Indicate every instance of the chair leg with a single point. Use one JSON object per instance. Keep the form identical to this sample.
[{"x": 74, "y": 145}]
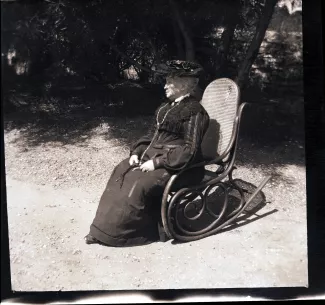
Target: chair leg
[{"x": 163, "y": 237}]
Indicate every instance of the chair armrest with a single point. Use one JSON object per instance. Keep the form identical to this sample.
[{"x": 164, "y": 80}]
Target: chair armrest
[{"x": 203, "y": 163}]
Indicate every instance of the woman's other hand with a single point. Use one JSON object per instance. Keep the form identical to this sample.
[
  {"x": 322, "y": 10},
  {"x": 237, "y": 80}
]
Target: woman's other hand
[
  {"x": 147, "y": 166},
  {"x": 134, "y": 159}
]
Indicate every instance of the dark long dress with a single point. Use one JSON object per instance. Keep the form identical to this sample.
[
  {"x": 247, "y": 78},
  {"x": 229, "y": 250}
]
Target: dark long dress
[{"x": 129, "y": 209}]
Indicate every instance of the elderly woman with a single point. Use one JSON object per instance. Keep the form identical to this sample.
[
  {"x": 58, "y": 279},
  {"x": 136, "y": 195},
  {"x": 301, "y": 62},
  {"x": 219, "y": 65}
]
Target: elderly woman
[{"x": 129, "y": 209}]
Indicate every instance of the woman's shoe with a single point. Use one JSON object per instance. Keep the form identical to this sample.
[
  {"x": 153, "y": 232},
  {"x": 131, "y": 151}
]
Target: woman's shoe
[{"x": 89, "y": 239}]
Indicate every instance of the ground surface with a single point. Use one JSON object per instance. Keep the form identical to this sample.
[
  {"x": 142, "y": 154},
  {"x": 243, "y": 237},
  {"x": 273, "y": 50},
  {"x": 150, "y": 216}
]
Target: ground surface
[{"x": 53, "y": 188}]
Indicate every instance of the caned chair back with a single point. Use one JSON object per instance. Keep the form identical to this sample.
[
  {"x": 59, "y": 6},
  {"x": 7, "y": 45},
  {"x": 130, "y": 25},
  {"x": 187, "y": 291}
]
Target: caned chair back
[{"x": 220, "y": 99}]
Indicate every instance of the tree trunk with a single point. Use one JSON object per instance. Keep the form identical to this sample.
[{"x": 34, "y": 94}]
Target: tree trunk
[
  {"x": 226, "y": 38},
  {"x": 256, "y": 42},
  {"x": 189, "y": 46},
  {"x": 178, "y": 41}
]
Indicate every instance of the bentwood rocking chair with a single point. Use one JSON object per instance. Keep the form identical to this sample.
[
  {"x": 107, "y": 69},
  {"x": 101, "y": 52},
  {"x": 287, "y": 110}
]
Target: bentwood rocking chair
[{"x": 221, "y": 99}]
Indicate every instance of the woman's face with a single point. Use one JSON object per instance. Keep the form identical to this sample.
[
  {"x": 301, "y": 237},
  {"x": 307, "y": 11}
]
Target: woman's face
[
  {"x": 178, "y": 86},
  {"x": 171, "y": 88}
]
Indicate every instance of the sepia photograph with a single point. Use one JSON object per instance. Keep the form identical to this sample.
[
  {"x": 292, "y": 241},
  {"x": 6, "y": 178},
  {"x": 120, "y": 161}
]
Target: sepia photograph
[{"x": 154, "y": 144}]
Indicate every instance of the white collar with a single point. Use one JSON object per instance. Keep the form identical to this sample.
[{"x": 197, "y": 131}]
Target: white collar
[{"x": 181, "y": 98}]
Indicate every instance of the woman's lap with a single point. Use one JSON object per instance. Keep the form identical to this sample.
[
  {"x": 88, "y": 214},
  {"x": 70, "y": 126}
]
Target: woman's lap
[
  {"x": 128, "y": 212},
  {"x": 131, "y": 210}
]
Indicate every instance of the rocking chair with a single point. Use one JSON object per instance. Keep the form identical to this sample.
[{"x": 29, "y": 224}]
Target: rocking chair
[{"x": 221, "y": 101}]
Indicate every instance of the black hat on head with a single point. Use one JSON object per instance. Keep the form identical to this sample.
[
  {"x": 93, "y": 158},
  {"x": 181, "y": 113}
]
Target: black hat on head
[{"x": 180, "y": 68}]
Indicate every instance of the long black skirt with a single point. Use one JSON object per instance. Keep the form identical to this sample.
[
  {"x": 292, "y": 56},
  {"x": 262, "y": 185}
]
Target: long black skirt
[{"x": 128, "y": 213}]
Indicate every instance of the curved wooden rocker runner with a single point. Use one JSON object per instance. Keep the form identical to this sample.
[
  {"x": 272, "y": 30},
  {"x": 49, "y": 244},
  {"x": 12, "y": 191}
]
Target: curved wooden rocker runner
[{"x": 221, "y": 100}]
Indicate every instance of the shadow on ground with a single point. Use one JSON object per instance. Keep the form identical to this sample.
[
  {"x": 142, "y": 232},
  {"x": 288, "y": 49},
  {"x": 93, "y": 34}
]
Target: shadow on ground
[
  {"x": 186, "y": 212},
  {"x": 71, "y": 117}
]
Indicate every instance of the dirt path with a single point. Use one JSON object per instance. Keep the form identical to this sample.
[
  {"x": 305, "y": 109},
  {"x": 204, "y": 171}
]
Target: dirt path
[{"x": 49, "y": 214}]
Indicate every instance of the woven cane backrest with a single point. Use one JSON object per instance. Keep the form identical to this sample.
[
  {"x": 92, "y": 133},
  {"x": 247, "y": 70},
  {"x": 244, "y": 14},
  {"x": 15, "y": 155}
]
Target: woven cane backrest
[{"x": 220, "y": 99}]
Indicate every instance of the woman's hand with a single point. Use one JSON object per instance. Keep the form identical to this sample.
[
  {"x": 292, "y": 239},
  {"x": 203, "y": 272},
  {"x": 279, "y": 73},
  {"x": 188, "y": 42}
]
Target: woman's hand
[
  {"x": 134, "y": 159},
  {"x": 147, "y": 166}
]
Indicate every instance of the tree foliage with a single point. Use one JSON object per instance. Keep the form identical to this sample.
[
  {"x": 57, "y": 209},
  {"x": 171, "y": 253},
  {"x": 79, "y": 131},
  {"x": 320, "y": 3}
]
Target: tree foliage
[{"x": 96, "y": 41}]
